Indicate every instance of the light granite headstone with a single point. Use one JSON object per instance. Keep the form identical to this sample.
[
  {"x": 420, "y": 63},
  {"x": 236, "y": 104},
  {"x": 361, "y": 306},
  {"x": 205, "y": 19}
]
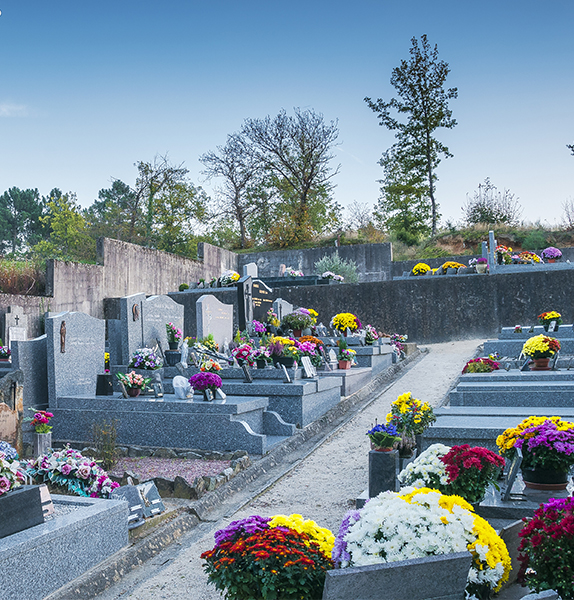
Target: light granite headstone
[
  {"x": 157, "y": 312},
  {"x": 214, "y": 317},
  {"x": 245, "y": 302},
  {"x": 282, "y": 307},
  {"x": 250, "y": 270},
  {"x": 75, "y": 351},
  {"x": 15, "y": 325},
  {"x": 131, "y": 308}
]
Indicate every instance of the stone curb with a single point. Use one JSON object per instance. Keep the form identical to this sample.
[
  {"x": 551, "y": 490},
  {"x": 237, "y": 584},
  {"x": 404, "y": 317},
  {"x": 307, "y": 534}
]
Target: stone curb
[{"x": 109, "y": 572}]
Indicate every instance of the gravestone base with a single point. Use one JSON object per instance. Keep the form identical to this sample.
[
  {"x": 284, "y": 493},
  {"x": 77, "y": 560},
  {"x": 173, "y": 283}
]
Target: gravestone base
[{"x": 352, "y": 380}]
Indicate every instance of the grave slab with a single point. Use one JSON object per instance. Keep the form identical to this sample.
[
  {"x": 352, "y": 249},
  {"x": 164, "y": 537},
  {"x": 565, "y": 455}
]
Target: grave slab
[{"x": 353, "y": 379}]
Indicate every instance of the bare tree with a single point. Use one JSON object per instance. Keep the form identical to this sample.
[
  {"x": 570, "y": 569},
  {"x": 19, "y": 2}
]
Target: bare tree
[{"x": 568, "y": 214}]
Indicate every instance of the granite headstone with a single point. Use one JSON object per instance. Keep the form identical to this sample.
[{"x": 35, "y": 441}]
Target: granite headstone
[
  {"x": 245, "y": 302},
  {"x": 30, "y": 357},
  {"x": 262, "y": 297},
  {"x": 214, "y": 317},
  {"x": 282, "y": 307},
  {"x": 157, "y": 312},
  {"x": 250, "y": 270},
  {"x": 15, "y": 325}
]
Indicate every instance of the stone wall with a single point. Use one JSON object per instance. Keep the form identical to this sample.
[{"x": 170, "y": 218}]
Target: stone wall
[{"x": 373, "y": 260}]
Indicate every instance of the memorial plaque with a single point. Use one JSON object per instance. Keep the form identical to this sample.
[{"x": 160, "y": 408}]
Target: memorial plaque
[
  {"x": 150, "y": 498},
  {"x": 308, "y": 367},
  {"x": 262, "y": 297},
  {"x": 511, "y": 478},
  {"x": 287, "y": 379},
  {"x": 131, "y": 494},
  {"x": 248, "y": 377}
]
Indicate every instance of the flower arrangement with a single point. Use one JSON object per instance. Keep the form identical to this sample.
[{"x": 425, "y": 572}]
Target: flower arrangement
[
  {"x": 480, "y": 365},
  {"x": 546, "y": 548},
  {"x": 529, "y": 257},
  {"x": 451, "y": 264},
  {"x": 420, "y": 269},
  {"x": 518, "y": 329},
  {"x": 68, "y": 468},
  {"x": 547, "y": 317},
  {"x": 419, "y": 523},
  {"x": 272, "y": 318},
  {"x": 291, "y": 272},
  {"x": 133, "y": 380},
  {"x": 228, "y": 278},
  {"x": 541, "y": 346},
  {"x": 281, "y": 340},
  {"x": 427, "y": 470},
  {"x": 481, "y": 261},
  {"x": 299, "y": 319},
  {"x": 551, "y": 253},
  {"x": 40, "y": 421},
  {"x": 173, "y": 333},
  {"x": 5, "y": 352},
  {"x": 145, "y": 358},
  {"x": 183, "y": 287},
  {"x": 383, "y": 436},
  {"x": 283, "y": 557},
  {"x": 292, "y": 351},
  {"x": 107, "y": 362},
  {"x": 546, "y": 443},
  {"x": 212, "y": 282},
  {"x": 333, "y": 276},
  {"x": 344, "y": 321},
  {"x": 371, "y": 335},
  {"x": 398, "y": 343},
  {"x": 409, "y": 415},
  {"x": 210, "y": 366},
  {"x": 258, "y": 327},
  {"x": 11, "y": 475},
  {"x": 205, "y": 381},
  {"x": 308, "y": 348},
  {"x": 346, "y": 354},
  {"x": 243, "y": 354},
  {"x": 504, "y": 254},
  {"x": 262, "y": 353},
  {"x": 312, "y": 339}
]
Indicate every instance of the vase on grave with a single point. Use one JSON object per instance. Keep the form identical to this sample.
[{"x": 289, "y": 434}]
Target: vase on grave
[
  {"x": 172, "y": 357},
  {"x": 481, "y": 268},
  {"x": 407, "y": 445},
  {"x": 381, "y": 448},
  {"x": 296, "y": 333},
  {"x": 173, "y": 345},
  {"x": 288, "y": 361},
  {"x": 345, "y": 364},
  {"x": 539, "y": 364},
  {"x": 42, "y": 442},
  {"x": 547, "y": 327},
  {"x": 544, "y": 479},
  {"x": 550, "y": 260},
  {"x": 133, "y": 392},
  {"x": 261, "y": 364}
]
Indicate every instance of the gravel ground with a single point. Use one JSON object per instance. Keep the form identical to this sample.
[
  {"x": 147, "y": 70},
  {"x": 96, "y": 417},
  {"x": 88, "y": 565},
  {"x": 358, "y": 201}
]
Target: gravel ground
[
  {"x": 150, "y": 467},
  {"x": 322, "y": 487}
]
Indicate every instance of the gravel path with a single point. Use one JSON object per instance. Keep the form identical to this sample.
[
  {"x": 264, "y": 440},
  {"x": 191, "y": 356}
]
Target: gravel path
[
  {"x": 148, "y": 467},
  {"x": 323, "y": 487}
]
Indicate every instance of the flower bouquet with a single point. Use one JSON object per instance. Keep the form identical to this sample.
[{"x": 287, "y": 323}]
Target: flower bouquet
[
  {"x": 298, "y": 320},
  {"x": 262, "y": 357},
  {"x": 527, "y": 257},
  {"x": 133, "y": 381},
  {"x": 332, "y": 276},
  {"x": 546, "y": 442},
  {"x": 547, "y": 547},
  {"x": 228, "y": 278},
  {"x": 551, "y": 254},
  {"x": 243, "y": 354},
  {"x": 420, "y": 269},
  {"x": 40, "y": 421},
  {"x": 383, "y": 437},
  {"x": 480, "y": 365},
  {"x": 272, "y": 318},
  {"x": 174, "y": 334},
  {"x": 547, "y": 317},
  {"x": 210, "y": 365},
  {"x": 504, "y": 254},
  {"x": 69, "y": 469},
  {"x": 145, "y": 358},
  {"x": 309, "y": 348},
  {"x": 210, "y": 343},
  {"x": 398, "y": 343},
  {"x": 343, "y": 321},
  {"x": 291, "y": 272},
  {"x": 11, "y": 472},
  {"x": 418, "y": 523},
  {"x": 427, "y": 470},
  {"x": 258, "y": 328},
  {"x": 371, "y": 335},
  {"x": 5, "y": 353},
  {"x": 541, "y": 346},
  {"x": 411, "y": 417},
  {"x": 279, "y": 558}
]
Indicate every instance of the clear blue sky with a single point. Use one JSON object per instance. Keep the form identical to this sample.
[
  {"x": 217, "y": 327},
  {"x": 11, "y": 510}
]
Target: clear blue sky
[{"x": 89, "y": 88}]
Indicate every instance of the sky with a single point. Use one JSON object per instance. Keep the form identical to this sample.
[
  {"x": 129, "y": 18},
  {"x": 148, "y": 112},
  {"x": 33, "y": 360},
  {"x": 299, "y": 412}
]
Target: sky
[{"x": 89, "y": 88}]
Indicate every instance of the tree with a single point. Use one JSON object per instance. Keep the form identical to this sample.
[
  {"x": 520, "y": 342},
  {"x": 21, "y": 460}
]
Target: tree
[
  {"x": 296, "y": 154},
  {"x": 403, "y": 207},
  {"x": 570, "y": 147},
  {"x": 20, "y": 212},
  {"x": 423, "y": 101},
  {"x": 239, "y": 170},
  {"x": 490, "y": 206}
]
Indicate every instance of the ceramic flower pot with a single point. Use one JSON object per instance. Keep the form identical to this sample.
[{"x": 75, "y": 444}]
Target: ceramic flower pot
[
  {"x": 261, "y": 364},
  {"x": 481, "y": 268},
  {"x": 172, "y": 357},
  {"x": 296, "y": 333},
  {"x": 288, "y": 361},
  {"x": 345, "y": 364},
  {"x": 547, "y": 327},
  {"x": 540, "y": 364},
  {"x": 173, "y": 345},
  {"x": 133, "y": 392}
]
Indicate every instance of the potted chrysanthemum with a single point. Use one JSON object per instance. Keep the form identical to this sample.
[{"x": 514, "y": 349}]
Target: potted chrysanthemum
[
  {"x": 345, "y": 321},
  {"x": 206, "y": 382},
  {"x": 383, "y": 437},
  {"x": 551, "y": 254},
  {"x": 546, "y": 318},
  {"x": 411, "y": 417},
  {"x": 540, "y": 349},
  {"x": 480, "y": 365}
]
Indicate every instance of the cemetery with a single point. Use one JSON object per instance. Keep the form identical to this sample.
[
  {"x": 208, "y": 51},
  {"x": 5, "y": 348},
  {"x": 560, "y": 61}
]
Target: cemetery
[{"x": 242, "y": 371}]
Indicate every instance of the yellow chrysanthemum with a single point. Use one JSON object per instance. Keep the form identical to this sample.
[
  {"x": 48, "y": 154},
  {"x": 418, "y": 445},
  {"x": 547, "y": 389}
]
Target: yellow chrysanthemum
[
  {"x": 321, "y": 535},
  {"x": 282, "y": 340},
  {"x": 420, "y": 269},
  {"x": 506, "y": 440}
]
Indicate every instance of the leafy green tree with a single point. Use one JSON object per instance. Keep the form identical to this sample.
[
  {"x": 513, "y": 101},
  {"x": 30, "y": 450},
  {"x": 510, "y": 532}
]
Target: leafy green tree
[
  {"x": 20, "y": 212},
  {"x": 490, "y": 206},
  {"x": 296, "y": 152},
  {"x": 403, "y": 207},
  {"x": 423, "y": 102},
  {"x": 69, "y": 238}
]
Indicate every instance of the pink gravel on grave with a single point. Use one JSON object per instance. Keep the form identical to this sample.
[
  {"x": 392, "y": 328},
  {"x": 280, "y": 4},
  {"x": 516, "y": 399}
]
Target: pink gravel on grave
[{"x": 169, "y": 468}]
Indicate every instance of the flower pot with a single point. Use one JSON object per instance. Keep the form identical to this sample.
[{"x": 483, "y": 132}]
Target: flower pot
[
  {"x": 173, "y": 345},
  {"x": 4, "y": 360},
  {"x": 480, "y": 268},
  {"x": 551, "y": 260},
  {"x": 288, "y": 361},
  {"x": 296, "y": 333},
  {"x": 547, "y": 327},
  {"x": 544, "y": 479},
  {"x": 539, "y": 364},
  {"x": 261, "y": 364},
  {"x": 133, "y": 392},
  {"x": 42, "y": 441},
  {"x": 381, "y": 448},
  {"x": 172, "y": 357},
  {"x": 345, "y": 364}
]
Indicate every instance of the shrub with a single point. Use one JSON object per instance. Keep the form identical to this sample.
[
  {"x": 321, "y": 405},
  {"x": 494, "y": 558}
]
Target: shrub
[
  {"x": 104, "y": 435},
  {"x": 22, "y": 277},
  {"x": 339, "y": 266},
  {"x": 183, "y": 287}
]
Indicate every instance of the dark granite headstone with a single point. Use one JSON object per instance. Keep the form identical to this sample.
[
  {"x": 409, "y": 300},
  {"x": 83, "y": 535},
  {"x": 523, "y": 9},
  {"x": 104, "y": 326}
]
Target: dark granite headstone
[
  {"x": 20, "y": 509},
  {"x": 262, "y": 297}
]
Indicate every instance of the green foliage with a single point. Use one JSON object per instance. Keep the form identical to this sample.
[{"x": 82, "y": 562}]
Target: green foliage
[
  {"x": 491, "y": 207},
  {"x": 20, "y": 225},
  {"x": 339, "y": 266},
  {"x": 183, "y": 287},
  {"x": 22, "y": 277},
  {"x": 104, "y": 436},
  {"x": 424, "y": 103},
  {"x": 535, "y": 240}
]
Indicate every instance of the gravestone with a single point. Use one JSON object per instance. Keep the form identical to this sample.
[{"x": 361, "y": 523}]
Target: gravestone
[
  {"x": 131, "y": 308},
  {"x": 30, "y": 357},
  {"x": 11, "y": 409},
  {"x": 250, "y": 270},
  {"x": 245, "y": 302},
  {"x": 15, "y": 325},
  {"x": 214, "y": 317},
  {"x": 75, "y": 352},
  {"x": 282, "y": 307},
  {"x": 262, "y": 297},
  {"x": 114, "y": 328}
]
